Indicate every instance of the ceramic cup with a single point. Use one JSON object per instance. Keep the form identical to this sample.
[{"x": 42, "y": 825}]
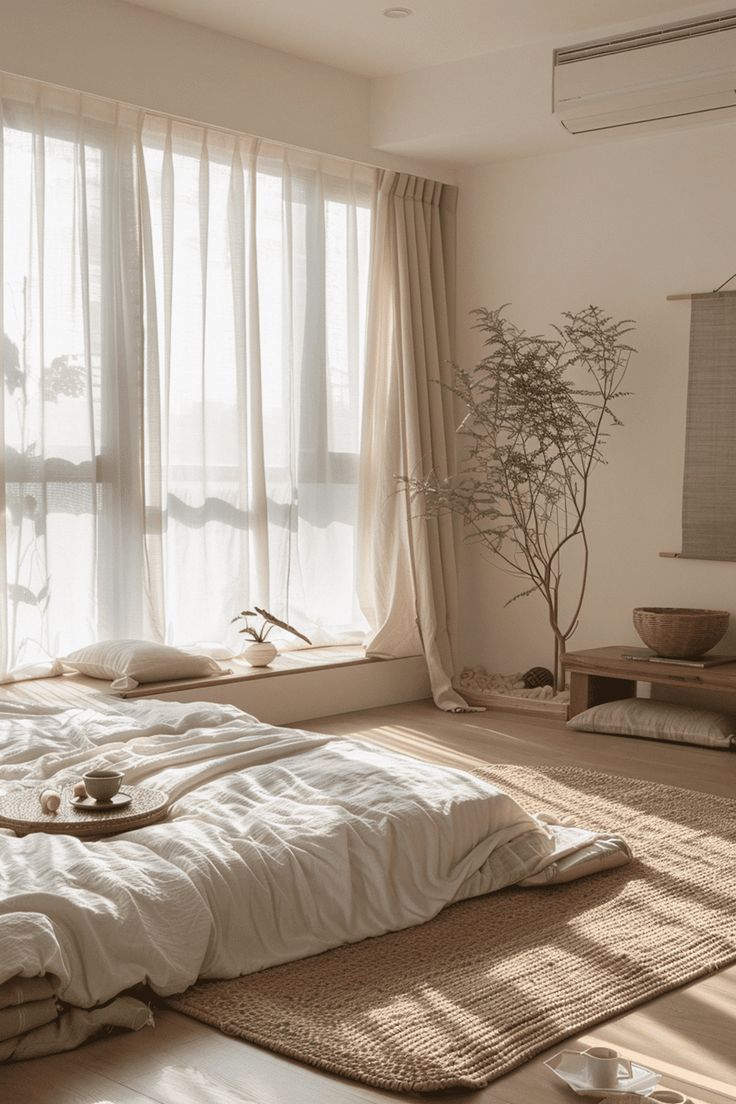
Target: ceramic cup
[
  {"x": 668, "y": 1096},
  {"x": 605, "y": 1067},
  {"x": 102, "y": 785}
]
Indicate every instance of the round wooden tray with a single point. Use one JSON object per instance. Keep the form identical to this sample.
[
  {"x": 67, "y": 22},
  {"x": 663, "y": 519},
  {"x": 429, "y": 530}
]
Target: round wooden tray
[{"x": 20, "y": 810}]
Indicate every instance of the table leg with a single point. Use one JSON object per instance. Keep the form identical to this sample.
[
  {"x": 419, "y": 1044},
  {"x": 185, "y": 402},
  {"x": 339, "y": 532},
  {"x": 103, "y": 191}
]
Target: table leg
[{"x": 588, "y": 690}]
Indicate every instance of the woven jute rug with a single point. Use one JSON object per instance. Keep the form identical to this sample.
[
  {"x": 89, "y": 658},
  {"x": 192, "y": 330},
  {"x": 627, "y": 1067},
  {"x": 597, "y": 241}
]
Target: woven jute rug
[{"x": 489, "y": 983}]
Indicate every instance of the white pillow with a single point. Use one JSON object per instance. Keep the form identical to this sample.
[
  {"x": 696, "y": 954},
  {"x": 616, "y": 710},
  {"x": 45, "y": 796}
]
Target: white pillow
[
  {"x": 130, "y": 662},
  {"x": 657, "y": 720}
]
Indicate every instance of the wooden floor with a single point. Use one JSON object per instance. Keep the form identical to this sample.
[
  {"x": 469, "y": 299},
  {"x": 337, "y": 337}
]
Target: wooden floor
[{"x": 689, "y": 1034}]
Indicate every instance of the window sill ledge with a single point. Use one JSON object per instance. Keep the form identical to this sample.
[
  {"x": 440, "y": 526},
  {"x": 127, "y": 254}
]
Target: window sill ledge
[
  {"x": 286, "y": 663},
  {"x": 332, "y": 680}
]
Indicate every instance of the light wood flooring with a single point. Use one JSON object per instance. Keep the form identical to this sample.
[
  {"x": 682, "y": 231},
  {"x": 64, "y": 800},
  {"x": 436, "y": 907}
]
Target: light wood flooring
[{"x": 689, "y": 1034}]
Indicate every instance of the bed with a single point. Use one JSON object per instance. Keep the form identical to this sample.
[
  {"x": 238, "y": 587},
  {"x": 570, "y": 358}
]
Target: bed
[{"x": 279, "y": 844}]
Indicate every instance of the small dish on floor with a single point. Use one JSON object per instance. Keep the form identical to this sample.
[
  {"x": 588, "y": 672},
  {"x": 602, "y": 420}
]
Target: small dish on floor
[
  {"x": 571, "y": 1067},
  {"x": 637, "y": 1098},
  {"x": 622, "y": 1098},
  {"x": 89, "y": 805}
]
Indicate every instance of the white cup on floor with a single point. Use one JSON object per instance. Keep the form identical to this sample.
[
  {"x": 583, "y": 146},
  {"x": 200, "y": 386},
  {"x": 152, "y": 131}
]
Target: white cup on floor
[
  {"x": 605, "y": 1067},
  {"x": 668, "y": 1096}
]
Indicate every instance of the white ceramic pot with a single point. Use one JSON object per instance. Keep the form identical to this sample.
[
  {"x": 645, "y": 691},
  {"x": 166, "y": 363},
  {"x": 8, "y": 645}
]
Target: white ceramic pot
[{"x": 260, "y": 654}]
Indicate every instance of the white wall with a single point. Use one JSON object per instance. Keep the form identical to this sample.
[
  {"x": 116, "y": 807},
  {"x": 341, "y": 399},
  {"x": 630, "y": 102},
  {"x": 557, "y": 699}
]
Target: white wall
[
  {"x": 128, "y": 53},
  {"x": 620, "y": 226},
  {"x": 461, "y": 111}
]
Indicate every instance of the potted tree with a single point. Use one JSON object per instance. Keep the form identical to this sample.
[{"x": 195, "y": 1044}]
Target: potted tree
[{"x": 538, "y": 415}]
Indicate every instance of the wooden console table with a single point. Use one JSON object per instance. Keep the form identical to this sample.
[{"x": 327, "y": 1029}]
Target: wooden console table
[{"x": 601, "y": 675}]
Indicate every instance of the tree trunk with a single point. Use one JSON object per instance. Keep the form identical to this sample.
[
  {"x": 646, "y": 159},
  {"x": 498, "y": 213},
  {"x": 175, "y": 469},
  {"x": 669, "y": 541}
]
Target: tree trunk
[{"x": 560, "y": 653}]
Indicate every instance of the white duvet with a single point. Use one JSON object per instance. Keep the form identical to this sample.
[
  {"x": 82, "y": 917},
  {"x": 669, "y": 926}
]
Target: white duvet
[{"x": 279, "y": 844}]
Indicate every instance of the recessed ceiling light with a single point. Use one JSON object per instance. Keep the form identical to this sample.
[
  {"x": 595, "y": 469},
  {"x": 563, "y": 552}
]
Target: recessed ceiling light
[{"x": 397, "y": 13}]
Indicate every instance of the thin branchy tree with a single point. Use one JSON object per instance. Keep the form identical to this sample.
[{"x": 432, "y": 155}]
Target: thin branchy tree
[{"x": 538, "y": 415}]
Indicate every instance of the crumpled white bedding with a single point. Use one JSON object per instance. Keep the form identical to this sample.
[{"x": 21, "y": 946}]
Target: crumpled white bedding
[{"x": 279, "y": 844}]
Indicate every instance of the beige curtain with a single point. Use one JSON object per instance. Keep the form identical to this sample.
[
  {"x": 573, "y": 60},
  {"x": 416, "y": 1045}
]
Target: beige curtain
[{"x": 407, "y": 574}]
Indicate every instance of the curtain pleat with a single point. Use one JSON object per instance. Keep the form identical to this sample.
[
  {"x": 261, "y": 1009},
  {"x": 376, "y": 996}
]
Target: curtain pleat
[
  {"x": 407, "y": 576},
  {"x": 237, "y": 247},
  {"x": 151, "y": 415},
  {"x": 6, "y": 364},
  {"x": 255, "y": 454}
]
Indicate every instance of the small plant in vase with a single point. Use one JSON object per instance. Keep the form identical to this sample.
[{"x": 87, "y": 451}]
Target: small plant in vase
[{"x": 262, "y": 652}]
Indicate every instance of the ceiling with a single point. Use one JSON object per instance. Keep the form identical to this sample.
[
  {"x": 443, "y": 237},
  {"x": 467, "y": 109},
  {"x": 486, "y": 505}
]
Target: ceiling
[{"x": 355, "y": 36}]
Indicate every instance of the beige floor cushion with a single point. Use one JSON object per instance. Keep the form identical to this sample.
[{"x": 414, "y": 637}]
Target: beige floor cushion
[{"x": 657, "y": 720}]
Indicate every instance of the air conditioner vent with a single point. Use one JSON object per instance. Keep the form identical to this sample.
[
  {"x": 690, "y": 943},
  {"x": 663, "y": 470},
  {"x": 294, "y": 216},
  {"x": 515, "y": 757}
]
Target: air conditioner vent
[{"x": 673, "y": 32}]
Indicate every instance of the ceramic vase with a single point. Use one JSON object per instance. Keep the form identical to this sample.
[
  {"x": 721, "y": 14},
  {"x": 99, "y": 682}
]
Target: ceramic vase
[{"x": 260, "y": 654}]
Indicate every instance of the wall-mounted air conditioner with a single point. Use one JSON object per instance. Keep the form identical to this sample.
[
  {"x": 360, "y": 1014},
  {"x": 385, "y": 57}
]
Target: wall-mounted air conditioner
[{"x": 670, "y": 72}]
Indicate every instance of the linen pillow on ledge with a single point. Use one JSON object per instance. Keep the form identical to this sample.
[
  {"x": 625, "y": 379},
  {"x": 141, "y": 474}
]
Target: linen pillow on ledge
[
  {"x": 656, "y": 720},
  {"x": 130, "y": 662}
]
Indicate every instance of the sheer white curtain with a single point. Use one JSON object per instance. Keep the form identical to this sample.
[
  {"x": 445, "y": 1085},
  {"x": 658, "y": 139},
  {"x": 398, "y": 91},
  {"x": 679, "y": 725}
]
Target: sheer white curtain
[
  {"x": 255, "y": 274},
  {"x": 183, "y": 320}
]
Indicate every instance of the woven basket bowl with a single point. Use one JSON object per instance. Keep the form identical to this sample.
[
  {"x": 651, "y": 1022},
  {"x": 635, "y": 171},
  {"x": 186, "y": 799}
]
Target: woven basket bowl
[{"x": 680, "y": 633}]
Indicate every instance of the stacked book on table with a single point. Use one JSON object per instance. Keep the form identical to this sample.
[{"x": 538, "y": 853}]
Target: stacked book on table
[{"x": 715, "y": 660}]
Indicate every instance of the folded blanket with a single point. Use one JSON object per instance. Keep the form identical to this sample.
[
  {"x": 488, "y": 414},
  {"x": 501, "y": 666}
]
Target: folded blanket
[
  {"x": 21, "y": 990},
  {"x": 602, "y": 854},
  {"x": 20, "y": 1018},
  {"x": 74, "y": 1027}
]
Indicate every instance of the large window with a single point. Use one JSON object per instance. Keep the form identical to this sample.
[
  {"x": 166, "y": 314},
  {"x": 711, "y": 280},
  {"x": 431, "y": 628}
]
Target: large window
[{"x": 183, "y": 314}]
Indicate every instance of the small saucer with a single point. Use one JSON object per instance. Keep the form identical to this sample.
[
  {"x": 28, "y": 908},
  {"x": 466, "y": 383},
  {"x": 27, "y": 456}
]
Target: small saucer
[
  {"x": 570, "y": 1067},
  {"x": 89, "y": 805},
  {"x": 622, "y": 1098}
]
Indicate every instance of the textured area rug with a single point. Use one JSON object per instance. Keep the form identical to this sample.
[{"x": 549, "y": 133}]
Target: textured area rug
[{"x": 489, "y": 983}]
